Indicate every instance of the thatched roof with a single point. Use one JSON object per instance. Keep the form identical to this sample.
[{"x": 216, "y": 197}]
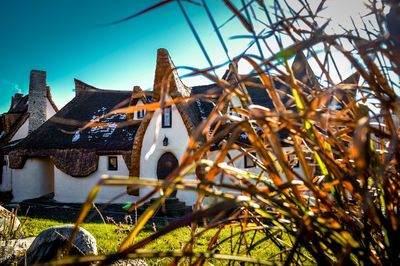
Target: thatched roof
[
  {"x": 19, "y": 104},
  {"x": 14, "y": 118},
  {"x": 11, "y": 123},
  {"x": 73, "y": 150},
  {"x": 259, "y": 93},
  {"x": 17, "y": 115}
]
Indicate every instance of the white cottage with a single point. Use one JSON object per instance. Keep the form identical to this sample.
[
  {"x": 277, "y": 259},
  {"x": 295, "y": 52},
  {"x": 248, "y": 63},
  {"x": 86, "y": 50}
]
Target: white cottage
[
  {"x": 58, "y": 157},
  {"x": 64, "y": 157}
]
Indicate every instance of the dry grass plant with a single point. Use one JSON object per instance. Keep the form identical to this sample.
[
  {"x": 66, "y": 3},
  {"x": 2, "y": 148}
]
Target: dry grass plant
[{"x": 344, "y": 209}]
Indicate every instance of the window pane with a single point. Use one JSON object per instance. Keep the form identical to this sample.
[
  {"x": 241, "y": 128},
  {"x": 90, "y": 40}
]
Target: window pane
[
  {"x": 140, "y": 113},
  {"x": 166, "y": 118},
  {"x": 248, "y": 161},
  {"x": 112, "y": 163}
]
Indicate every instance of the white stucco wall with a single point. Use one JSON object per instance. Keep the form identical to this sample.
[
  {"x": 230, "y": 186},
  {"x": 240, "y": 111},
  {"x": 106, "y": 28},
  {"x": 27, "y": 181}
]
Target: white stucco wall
[
  {"x": 49, "y": 110},
  {"x": 32, "y": 181},
  {"x": 178, "y": 140},
  {"x": 240, "y": 163},
  {"x": 256, "y": 170},
  {"x": 75, "y": 190},
  {"x": 6, "y": 179},
  {"x": 22, "y": 132}
]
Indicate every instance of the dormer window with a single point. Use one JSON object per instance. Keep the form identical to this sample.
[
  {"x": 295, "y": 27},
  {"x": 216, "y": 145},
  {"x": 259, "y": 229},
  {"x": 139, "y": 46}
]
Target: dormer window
[
  {"x": 232, "y": 111},
  {"x": 166, "y": 117},
  {"x": 140, "y": 113}
]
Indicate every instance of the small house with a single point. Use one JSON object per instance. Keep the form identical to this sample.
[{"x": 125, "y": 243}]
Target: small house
[{"x": 67, "y": 153}]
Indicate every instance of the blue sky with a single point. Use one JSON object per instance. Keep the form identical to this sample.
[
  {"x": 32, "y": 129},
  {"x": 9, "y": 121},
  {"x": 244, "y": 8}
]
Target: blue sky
[{"x": 63, "y": 38}]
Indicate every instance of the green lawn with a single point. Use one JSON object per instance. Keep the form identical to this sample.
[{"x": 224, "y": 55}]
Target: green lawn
[{"x": 109, "y": 236}]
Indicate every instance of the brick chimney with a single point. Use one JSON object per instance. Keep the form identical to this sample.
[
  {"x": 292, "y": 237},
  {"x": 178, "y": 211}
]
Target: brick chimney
[{"x": 37, "y": 99}]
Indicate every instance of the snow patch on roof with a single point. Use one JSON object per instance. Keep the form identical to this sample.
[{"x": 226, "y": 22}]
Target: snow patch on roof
[
  {"x": 76, "y": 137},
  {"x": 105, "y": 131},
  {"x": 202, "y": 113}
]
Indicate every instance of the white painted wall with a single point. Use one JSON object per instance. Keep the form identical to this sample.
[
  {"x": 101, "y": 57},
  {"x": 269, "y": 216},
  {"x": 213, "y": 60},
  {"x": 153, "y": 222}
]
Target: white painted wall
[
  {"x": 255, "y": 170},
  {"x": 178, "y": 140},
  {"x": 238, "y": 164},
  {"x": 32, "y": 181},
  {"x": 241, "y": 164},
  {"x": 22, "y": 132},
  {"x": 76, "y": 189},
  {"x": 49, "y": 109},
  {"x": 6, "y": 180}
]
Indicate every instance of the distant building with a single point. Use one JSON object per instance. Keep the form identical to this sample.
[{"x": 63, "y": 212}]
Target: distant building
[{"x": 25, "y": 115}]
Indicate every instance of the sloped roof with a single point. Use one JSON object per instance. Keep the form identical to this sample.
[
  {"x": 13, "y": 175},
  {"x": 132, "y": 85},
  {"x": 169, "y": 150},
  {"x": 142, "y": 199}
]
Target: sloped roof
[
  {"x": 17, "y": 115},
  {"x": 14, "y": 118},
  {"x": 19, "y": 104},
  {"x": 211, "y": 92},
  {"x": 12, "y": 122},
  {"x": 62, "y": 130},
  {"x": 73, "y": 148},
  {"x": 256, "y": 91}
]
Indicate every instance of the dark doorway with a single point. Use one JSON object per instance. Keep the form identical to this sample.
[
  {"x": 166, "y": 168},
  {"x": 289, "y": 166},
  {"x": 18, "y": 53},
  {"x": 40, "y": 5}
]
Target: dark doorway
[{"x": 166, "y": 164}]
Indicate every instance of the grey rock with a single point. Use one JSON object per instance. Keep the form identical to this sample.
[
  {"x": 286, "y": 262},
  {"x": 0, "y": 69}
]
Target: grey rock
[
  {"x": 14, "y": 248},
  {"x": 49, "y": 243},
  {"x": 16, "y": 231}
]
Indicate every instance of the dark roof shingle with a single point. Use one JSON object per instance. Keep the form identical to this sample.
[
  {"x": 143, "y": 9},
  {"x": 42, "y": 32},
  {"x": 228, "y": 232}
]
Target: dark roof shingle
[{"x": 61, "y": 131}]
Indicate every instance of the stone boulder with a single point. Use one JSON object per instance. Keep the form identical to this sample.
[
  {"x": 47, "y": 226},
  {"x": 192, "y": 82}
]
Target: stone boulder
[
  {"x": 16, "y": 231},
  {"x": 12, "y": 249},
  {"x": 48, "y": 244}
]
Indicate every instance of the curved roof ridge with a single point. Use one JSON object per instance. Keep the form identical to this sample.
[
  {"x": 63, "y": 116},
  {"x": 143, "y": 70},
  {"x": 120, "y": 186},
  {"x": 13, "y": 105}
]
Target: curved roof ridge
[{"x": 82, "y": 87}]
